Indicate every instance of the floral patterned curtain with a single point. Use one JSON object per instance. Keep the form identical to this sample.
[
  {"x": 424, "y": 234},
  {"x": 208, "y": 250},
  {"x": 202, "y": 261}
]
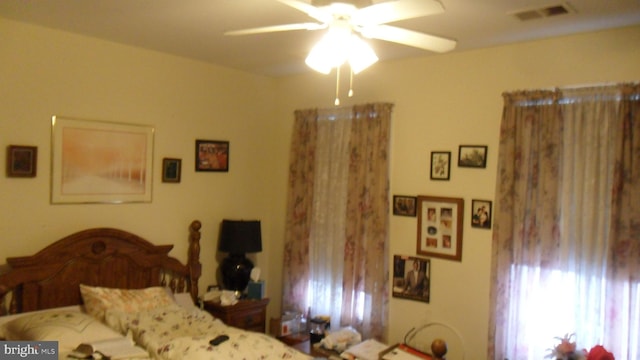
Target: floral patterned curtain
[
  {"x": 566, "y": 240},
  {"x": 337, "y": 233}
]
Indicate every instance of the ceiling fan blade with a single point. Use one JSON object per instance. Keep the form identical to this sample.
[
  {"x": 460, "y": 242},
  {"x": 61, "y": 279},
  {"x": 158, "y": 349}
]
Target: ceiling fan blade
[
  {"x": 390, "y": 11},
  {"x": 409, "y": 38},
  {"x": 310, "y": 10},
  {"x": 276, "y": 28}
]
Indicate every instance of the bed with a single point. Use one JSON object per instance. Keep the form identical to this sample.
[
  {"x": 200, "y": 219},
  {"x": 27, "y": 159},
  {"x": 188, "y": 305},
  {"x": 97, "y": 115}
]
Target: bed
[{"x": 102, "y": 283}]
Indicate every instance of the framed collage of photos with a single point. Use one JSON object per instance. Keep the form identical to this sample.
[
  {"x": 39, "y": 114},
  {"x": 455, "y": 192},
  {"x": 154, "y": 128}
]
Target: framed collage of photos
[{"x": 440, "y": 221}]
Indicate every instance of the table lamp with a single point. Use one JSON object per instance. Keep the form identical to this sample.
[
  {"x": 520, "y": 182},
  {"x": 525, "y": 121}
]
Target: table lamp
[{"x": 238, "y": 237}]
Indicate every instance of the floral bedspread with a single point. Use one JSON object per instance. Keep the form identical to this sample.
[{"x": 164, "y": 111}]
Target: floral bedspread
[{"x": 174, "y": 333}]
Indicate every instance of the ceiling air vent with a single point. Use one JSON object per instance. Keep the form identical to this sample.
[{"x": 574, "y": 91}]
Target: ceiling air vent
[{"x": 544, "y": 12}]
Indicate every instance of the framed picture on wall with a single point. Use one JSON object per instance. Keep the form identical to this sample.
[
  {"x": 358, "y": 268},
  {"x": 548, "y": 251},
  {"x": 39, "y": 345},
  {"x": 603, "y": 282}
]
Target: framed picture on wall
[
  {"x": 440, "y": 221},
  {"x": 212, "y": 155},
  {"x": 481, "y": 214},
  {"x": 22, "y": 161},
  {"x": 171, "y": 169},
  {"x": 100, "y": 162},
  {"x": 404, "y": 205},
  {"x": 440, "y": 165},
  {"x": 411, "y": 278},
  {"x": 473, "y": 156}
]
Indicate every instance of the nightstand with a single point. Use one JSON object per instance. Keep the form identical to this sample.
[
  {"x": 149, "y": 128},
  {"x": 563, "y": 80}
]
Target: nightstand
[{"x": 246, "y": 314}]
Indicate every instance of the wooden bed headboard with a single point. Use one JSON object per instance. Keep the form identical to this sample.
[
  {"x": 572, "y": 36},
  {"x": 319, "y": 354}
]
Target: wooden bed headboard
[{"x": 98, "y": 257}]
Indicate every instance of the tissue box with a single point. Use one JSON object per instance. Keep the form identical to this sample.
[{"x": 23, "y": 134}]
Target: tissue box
[{"x": 255, "y": 290}]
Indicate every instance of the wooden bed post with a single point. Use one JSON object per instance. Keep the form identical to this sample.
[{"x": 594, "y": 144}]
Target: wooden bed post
[{"x": 193, "y": 262}]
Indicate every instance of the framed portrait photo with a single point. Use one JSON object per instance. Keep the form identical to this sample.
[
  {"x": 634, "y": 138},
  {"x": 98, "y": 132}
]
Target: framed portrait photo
[
  {"x": 440, "y": 221},
  {"x": 440, "y": 165},
  {"x": 171, "y": 170},
  {"x": 473, "y": 156},
  {"x": 411, "y": 278},
  {"x": 22, "y": 161},
  {"x": 212, "y": 155},
  {"x": 481, "y": 214},
  {"x": 404, "y": 205}
]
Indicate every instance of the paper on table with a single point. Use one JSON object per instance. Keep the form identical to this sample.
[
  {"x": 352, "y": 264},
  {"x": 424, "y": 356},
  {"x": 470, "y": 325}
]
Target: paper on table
[{"x": 366, "y": 350}]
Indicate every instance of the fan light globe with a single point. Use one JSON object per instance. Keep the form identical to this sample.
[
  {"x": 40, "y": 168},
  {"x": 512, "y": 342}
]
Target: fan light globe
[
  {"x": 361, "y": 55},
  {"x": 338, "y": 46}
]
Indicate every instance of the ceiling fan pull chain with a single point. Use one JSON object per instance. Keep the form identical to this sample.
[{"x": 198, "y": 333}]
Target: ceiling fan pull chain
[
  {"x": 337, "y": 102},
  {"x": 351, "y": 82}
]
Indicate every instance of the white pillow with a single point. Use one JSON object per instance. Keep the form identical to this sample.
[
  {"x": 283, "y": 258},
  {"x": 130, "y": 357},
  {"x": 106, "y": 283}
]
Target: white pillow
[
  {"x": 98, "y": 299},
  {"x": 69, "y": 328}
]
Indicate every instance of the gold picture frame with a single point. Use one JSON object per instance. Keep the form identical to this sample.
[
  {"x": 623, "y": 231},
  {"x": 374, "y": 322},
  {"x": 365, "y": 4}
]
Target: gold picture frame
[
  {"x": 440, "y": 221},
  {"x": 100, "y": 162}
]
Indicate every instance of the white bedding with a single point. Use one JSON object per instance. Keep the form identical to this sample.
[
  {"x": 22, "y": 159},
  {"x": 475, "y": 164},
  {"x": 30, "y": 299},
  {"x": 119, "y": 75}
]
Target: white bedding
[
  {"x": 69, "y": 326},
  {"x": 173, "y": 333}
]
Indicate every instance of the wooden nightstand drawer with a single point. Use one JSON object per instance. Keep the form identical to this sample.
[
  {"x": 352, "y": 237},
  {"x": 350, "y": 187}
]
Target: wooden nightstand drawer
[
  {"x": 248, "y": 320},
  {"x": 246, "y": 314}
]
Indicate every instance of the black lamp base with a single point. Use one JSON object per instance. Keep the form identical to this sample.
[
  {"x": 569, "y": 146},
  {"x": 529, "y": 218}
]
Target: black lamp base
[{"x": 236, "y": 269}]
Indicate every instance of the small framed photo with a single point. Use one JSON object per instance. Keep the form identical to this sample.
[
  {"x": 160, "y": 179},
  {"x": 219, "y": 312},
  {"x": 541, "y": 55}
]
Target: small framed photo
[
  {"x": 481, "y": 214},
  {"x": 411, "y": 278},
  {"x": 212, "y": 155},
  {"x": 440, "y": 165},
  {"x": 404, "y": 205},
  {"x": 171, "y": 170},
  {"x": 473, "y": 156},
  {"x": 22, "y": 161}
]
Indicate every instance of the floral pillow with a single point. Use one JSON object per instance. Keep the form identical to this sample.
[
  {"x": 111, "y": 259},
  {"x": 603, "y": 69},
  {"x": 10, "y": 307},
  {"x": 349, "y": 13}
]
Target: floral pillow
[{"x": 98, "y": 299}]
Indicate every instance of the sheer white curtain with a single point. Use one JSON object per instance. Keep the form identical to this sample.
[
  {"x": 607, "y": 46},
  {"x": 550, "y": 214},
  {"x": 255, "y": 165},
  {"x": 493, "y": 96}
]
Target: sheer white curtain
[
  {"x": 336, "y": 245},
  {"x": 328, "y": 221},
  {"x": 566, "y": 249}
]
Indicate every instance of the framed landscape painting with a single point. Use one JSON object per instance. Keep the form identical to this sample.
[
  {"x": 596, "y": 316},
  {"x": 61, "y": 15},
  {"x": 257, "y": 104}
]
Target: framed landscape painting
[{"x": 100, "y": 162}]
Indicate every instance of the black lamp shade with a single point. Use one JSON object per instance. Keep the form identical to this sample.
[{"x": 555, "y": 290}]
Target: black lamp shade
[{"x": 238, "y": 237}]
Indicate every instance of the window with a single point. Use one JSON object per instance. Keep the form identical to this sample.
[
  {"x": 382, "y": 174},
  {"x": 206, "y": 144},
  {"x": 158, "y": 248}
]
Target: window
[{"x": 567, "y": 232}]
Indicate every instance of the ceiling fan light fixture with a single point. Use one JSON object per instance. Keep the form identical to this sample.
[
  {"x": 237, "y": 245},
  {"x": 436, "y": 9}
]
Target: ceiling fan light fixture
[
  {"x": 325, "y": 55},
  {"x": 361, "y": 55},
  {"x": 337, "y": 47}
]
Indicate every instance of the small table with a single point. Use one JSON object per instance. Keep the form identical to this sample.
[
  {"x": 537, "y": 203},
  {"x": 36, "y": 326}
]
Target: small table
[
  {"x": 245, "y": 314},
  {"x": 302, "y": 343}
]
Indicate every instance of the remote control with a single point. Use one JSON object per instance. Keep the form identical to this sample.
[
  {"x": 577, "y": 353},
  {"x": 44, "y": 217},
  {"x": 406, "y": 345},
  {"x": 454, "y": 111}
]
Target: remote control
[{"x": 219, "y": 340}]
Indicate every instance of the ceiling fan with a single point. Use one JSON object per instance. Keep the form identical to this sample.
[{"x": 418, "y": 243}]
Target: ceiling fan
[
  {"x": 347, "y": 21},
  {"x": 367, "y": 19}
]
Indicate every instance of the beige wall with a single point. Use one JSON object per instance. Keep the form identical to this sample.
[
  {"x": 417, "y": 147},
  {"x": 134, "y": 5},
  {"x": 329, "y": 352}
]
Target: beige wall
[
  {"x": 440, "y": 102},
  {"x": 46, "y": 72}
]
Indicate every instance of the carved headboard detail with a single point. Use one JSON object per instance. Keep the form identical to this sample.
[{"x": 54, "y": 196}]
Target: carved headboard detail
[{"x": 99, "y": 257}]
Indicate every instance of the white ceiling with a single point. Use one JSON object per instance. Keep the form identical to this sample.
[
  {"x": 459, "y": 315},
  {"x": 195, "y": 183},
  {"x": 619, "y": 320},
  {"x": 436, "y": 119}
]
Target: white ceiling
[{"x": 194, "y": 28}]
